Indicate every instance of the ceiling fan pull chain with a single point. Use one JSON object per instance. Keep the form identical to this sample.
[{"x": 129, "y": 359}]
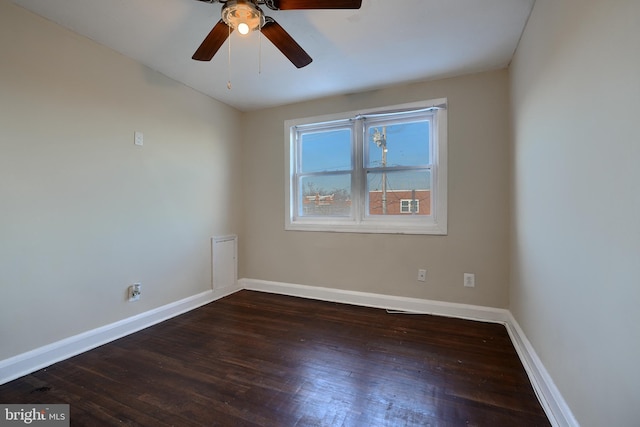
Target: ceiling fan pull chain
[
  {"x": 229, "y": 61},
  {"x": 260, "y": 50}
]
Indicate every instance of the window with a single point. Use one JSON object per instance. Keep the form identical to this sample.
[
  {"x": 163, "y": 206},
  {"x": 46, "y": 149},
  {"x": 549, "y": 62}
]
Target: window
[
  {"x": 410, "y": 206},
  {"x": 379, "y": 171}
]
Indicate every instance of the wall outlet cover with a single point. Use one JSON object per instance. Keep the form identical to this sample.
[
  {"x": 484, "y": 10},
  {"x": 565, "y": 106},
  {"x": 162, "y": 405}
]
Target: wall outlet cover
[{"x": 469, "y": 280}]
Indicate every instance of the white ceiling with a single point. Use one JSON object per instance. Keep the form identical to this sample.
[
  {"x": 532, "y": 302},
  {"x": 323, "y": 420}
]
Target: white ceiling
[{"x": 385, "y": 42}]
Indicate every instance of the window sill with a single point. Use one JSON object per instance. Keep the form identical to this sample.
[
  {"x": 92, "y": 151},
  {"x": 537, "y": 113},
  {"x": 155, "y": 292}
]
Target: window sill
[{"x": 371, "y": 227}]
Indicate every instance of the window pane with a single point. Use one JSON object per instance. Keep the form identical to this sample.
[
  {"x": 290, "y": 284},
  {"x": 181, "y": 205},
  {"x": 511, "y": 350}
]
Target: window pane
[
  {"x": 325, "y": 151},
  {"x": 406, "y": 144},
  {"x": 326, "y": 195},
  {"x": 399, "y": 193}
]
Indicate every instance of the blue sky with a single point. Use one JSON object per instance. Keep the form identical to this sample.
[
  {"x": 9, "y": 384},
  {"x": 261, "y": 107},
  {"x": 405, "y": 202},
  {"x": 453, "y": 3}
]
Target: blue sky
[{"x": 331, "y": 151}]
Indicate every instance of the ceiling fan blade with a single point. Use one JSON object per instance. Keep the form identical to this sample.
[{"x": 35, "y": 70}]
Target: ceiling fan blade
[
  {"x": 318, "y": 4},
  {"x": 212, "y": 42},
  {"x": 287, "y": 45}
]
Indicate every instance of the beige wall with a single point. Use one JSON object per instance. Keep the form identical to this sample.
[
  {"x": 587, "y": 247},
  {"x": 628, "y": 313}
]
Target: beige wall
[
  {"x": 84, "y": 212},
  {"x": 576, "y": 202},
  {"x": 388, "y": 264}
]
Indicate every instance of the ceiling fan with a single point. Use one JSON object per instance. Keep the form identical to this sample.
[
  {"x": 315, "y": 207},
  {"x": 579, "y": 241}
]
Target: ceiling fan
[{"x": 246, "y": 16}]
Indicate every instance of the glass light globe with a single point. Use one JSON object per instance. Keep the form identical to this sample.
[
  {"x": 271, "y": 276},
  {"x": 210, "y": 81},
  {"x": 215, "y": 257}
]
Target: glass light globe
[
  {"x": 243, "y": 28},
  {"x": 242, "y": 15}
]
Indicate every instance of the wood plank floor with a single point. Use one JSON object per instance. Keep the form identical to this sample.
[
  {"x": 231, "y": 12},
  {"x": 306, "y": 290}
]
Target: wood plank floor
[{"x": 257, "y": 359}]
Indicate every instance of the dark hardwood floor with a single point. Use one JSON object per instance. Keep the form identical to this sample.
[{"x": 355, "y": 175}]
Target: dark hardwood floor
[{"x": 257, "y": 359}]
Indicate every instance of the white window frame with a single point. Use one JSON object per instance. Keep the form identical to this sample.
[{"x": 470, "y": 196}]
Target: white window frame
[{"x": 359, "y": 221}]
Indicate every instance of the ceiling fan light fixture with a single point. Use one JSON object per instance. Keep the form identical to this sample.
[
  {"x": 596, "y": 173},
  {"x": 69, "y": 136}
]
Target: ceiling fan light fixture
[{"x": 242, "y": 15}]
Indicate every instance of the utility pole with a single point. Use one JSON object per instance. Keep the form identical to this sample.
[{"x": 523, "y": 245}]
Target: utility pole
[{"x": 381, "y": 141}]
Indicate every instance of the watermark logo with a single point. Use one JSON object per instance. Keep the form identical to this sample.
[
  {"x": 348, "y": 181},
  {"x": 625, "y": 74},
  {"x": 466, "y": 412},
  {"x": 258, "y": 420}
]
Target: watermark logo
[{"x": 36, "y": 415}]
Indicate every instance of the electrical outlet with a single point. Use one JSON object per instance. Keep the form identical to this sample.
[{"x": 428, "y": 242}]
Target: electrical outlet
[
  {"x": 469, "y": 280},
  {"x": 138, "y": 138},
  {"x": 422, "y": 275},
  {"x": 135, "y": 291}
]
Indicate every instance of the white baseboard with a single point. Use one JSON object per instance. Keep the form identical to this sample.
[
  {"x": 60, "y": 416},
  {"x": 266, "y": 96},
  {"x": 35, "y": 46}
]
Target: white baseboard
[
  {"x": 552, "y": 402},
  {"x": 31, "y": 361},
  {"x": 413, "y": 305},
  {"x": 550, "y": 398}
]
